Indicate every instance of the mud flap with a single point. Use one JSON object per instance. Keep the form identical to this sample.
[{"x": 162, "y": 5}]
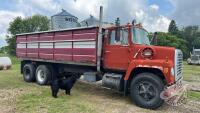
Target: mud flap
[{"x": 125, "y": 88}]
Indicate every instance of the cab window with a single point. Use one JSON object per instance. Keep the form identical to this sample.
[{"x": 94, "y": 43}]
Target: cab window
[
  {"x": 140, "y": 36},
  {"x": 118, "y": 37}
]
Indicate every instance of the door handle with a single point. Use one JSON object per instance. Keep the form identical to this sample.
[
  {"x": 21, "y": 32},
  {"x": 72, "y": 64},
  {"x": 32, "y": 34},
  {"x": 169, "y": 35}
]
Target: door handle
[{"x": 107, "y": 51}]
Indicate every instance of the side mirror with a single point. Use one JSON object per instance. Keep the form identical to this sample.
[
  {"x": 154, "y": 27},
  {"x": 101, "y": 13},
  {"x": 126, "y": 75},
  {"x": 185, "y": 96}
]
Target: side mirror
[{"x": 154, "y": 39}]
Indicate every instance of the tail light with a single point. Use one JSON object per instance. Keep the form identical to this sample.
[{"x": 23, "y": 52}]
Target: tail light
[{"x": 148, "y": 53}]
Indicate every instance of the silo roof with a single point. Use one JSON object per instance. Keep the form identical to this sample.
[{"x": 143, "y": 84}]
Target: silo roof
[
  {"x": 91, "y": 18},
  {"x": 64, "y": 13}
]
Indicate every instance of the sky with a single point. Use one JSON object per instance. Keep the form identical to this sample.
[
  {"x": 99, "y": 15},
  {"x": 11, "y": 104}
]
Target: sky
[{"x": 155, "y": 15}]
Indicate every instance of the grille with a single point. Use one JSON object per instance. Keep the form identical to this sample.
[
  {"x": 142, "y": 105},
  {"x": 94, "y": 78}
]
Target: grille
[
  {"x": 178, "y": 64},
  {"x": 197, "y": 52},
  {"x": 194, "y": 57}
]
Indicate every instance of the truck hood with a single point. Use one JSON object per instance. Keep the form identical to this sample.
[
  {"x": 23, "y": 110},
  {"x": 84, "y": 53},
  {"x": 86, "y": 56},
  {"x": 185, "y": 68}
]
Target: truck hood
[
  {"x": 164, "y": 52},
  {"x": 159, "y": 52}
]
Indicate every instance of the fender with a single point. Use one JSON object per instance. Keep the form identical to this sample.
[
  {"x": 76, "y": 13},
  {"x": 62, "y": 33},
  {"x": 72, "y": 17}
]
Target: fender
[{"x": 163, "y": 65}]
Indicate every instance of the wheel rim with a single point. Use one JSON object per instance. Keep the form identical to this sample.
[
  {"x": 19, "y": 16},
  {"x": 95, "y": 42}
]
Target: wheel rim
[
  {"x": 147, "y": 91},
  {"x": 41, "y": 76}
]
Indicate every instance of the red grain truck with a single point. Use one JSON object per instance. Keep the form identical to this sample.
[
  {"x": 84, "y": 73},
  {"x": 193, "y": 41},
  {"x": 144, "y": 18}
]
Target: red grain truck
[{"x": 119, "y": 55}]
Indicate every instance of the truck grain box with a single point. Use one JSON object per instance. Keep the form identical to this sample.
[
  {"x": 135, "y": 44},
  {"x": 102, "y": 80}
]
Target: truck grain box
[
  {"x": 77, "y": 46},
  {"x": 120, "y": 55}
]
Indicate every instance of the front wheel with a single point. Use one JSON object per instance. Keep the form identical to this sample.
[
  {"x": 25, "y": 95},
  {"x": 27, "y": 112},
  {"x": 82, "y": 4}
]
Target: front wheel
[{"x": 145, "y": 90}]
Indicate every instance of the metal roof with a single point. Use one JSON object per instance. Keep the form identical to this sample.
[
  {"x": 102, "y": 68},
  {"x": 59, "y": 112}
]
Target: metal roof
[
  {"x": 64, "y": 13},
  {"x": 38, "y": 32},
  {"x": 68, "y": 29},
  {"x": 91, "y": 19}
]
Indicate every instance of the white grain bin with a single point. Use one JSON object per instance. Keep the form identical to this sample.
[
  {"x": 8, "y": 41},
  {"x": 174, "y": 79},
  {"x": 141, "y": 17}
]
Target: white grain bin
[
  {"x": 5, "y": 63},
  {"x": 63, "y": 20}
]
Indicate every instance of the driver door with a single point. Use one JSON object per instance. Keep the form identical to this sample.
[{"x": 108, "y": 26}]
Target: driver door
[{"x": 116, "y": 49}]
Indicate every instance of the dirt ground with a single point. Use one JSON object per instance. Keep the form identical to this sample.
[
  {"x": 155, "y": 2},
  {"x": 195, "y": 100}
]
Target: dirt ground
[
  {"x": 106, "y": 100},
  {"x": 194, "y": 86},
  {"x": 8, "y": 99}
]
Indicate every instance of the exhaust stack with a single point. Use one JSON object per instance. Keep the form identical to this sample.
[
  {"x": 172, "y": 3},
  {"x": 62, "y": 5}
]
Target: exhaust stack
[{"x": 99, "y": 48}]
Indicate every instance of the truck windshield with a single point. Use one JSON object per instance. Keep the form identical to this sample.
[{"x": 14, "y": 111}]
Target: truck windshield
[{"x": 140, "y": 36}]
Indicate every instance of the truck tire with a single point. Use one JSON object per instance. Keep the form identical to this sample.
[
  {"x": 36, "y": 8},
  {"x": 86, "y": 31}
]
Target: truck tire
[
  {"x": 43, "y": 74},
  {"x": 29, "y": 72},
  {"x": 145, "y": 90}
]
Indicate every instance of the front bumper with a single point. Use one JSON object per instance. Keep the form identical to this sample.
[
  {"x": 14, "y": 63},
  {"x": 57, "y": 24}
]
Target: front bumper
[{"x": 175, "y": 94}]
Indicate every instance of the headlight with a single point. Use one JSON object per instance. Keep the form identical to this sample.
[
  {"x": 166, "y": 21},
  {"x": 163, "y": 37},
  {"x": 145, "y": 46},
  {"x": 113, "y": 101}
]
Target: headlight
[
  {"x": 172, "y": 72},
  {"x": 147, "y": 53}
]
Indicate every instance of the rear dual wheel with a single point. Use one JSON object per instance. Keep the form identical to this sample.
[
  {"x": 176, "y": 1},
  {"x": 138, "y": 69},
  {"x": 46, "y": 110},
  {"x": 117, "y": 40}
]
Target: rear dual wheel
[
  {"x": 29, "y": 72},
  {"x": 44, "y": 74}
]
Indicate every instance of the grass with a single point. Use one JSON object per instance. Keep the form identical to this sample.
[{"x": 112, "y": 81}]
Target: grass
[
  {"x": 194, "y": 95},
  {"x": 34, "y": 98},
  {"x": 11, "y": 78},
  {"x": 39, "y": 98},
  {"x": 85, "y": 98},
  {"x": 35, "y": 101},
  {"x": 191, "y": 73}
]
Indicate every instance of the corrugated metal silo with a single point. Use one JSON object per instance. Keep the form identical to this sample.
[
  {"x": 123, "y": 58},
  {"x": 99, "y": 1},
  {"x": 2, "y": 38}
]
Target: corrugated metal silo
[
  {"x": 91, "y": 21},
  {"x": 63, "y": 20}
]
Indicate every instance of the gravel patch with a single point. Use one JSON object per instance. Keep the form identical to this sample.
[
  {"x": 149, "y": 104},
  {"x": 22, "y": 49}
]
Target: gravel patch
[{"x": 8, "y": 99}]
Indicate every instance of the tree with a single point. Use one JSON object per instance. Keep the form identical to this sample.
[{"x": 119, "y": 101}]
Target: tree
[
  {"x": 30, "y": 24},
  {"x": 192, "y": 35},
  {"x": 184, "y": 39},
  {"x": 3, "y": 50},
  {"x": 196, "y": 43},
  {"x": 173, "y": 29}
]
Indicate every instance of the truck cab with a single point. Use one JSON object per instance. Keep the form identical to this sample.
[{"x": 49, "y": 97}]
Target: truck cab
[
  {"x": 194, "y": 57},
  {"x": 136, "y": 67}
]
